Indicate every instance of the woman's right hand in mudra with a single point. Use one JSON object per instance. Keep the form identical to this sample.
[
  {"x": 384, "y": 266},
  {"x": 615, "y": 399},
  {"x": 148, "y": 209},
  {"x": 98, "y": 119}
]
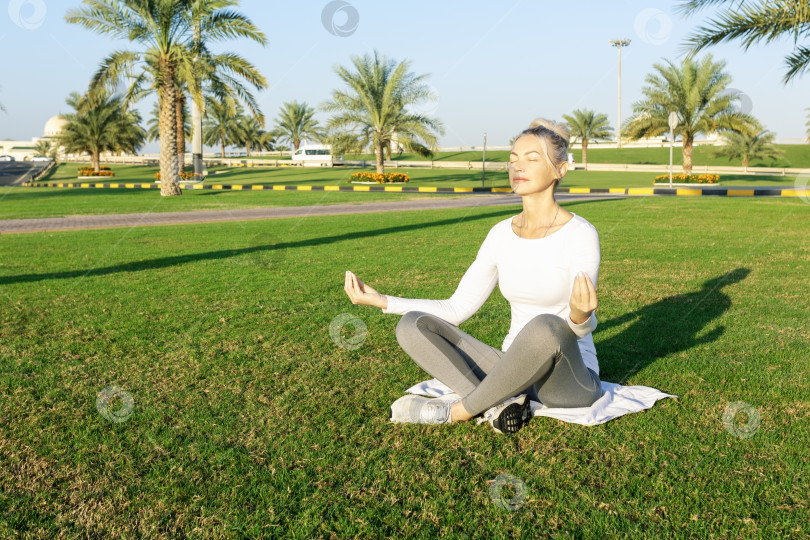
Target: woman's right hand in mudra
[{"x": 361, "y": 293}]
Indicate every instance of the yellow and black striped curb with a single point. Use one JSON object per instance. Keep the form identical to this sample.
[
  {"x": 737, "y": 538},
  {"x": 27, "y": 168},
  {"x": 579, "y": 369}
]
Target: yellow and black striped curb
[{"x": 705, "y": 191}]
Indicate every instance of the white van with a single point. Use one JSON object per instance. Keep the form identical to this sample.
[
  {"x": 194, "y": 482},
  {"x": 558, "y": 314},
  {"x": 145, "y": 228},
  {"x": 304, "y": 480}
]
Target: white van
[{"x": 316, "y": 155}]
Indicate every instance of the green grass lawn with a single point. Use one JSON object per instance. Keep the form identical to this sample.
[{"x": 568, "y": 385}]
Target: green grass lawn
[
  {"x": 24, "y": 202},
  {"x": 250, "y": 421},
  {"x": 419, "y": 177},
  {"x": 21, "y": 203},
  {"x": 795, "y": 156}
]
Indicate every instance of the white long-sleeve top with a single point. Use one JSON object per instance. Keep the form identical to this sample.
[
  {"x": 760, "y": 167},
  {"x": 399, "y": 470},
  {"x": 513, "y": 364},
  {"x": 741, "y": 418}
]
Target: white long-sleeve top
[{"x": 536, "y": 276}]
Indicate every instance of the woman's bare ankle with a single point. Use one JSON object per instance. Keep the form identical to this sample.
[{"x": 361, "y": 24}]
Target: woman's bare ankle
[{"x": 458, "y": 413}]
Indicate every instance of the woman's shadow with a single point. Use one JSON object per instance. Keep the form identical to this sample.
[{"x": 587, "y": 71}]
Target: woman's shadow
[{"x": 665, "y": 327}]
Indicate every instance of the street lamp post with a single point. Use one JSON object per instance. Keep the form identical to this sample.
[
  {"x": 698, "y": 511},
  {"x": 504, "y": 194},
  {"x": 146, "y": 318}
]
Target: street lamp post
[
  {"x": 196, "y": 117},
  {"x": 673, "y": 123},
  {"x": 619, "y": 43}
]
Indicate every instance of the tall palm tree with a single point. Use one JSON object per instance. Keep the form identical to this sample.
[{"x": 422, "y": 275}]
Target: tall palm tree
[
  {"x": 747, "y": 146},
  {"x": 249, "y": 133},
  {"x": 296, "y": 121},
  {"x": 753, "y": 22},
  {"x": 267, "y": 141},
  {"x": 221, "y": 123},
  {"x": 165, "y": 28},
  {"x": 587, "y": 125},
  {"x": 373, "y": 111},
  {"x": 99, "y": 124},
  {"x": 696, "y": 91}
]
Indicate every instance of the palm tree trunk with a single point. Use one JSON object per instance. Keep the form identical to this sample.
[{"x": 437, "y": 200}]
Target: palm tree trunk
[
  {"x": 745, "y": 164},
  {"x": 687, "y": 155},
  {"x": 296, "y": 144},
  {"x": 222, "y": 146},
  {"x": 378, "y": 151},
  {"x": 585, "y": 153},
  {"x": 181, "y": 132},
  {"x": 247, "y": 148},
  {"x": 168, "y": 135},
  {"x": 95, "y": 159}
]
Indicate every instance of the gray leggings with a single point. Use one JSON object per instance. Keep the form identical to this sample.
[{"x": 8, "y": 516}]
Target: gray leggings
[{"x": 543, "y": 361}]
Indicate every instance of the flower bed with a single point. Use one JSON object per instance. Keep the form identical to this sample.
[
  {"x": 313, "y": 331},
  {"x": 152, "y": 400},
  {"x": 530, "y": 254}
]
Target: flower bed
[
  {"x": 688, "y": 178},
  {"x": 88, "y": 172},
  {"x": 183, "y": 175},
  {"x": 377, "y": 178}
]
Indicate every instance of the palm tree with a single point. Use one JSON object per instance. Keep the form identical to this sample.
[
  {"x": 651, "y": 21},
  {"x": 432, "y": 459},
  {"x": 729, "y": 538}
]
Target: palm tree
[
  {"x": 747, "y": 146},
  {"x": 169, "y": 58},
  {"x": 250, "y": 133},
  {"x": 267, "y": 141},
  {"x": 153, "y": 124},
  {"x": 696, "y": 91},
  {"x": 296, "y": 121},
  {"x": 43, "y": 147},
  {"x": 754, "y": 22},
  {"x": 374, "y": 110},
  {"x": 221, "y": 124},
  {"x": 100, "y": 124},
  {"x": 587, "y": 125}
]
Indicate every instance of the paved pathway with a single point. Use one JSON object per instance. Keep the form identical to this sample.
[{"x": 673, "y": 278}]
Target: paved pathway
[{"x": 208, "y": 216}]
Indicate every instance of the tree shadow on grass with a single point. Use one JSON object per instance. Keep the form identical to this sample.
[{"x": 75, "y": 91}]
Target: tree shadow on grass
[
  {"x": 668, "y": 326},
  {"x": 164, "y": 262}
]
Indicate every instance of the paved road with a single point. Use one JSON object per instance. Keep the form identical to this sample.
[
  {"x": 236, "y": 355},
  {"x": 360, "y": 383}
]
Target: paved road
[
  {"x": 14, "y": 172},
  {"x": 208, "y": 216}
]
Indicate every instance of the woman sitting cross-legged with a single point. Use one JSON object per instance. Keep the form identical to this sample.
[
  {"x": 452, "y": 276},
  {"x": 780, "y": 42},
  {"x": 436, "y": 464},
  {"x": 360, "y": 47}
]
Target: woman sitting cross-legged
[{"x": 546, "y": 262}]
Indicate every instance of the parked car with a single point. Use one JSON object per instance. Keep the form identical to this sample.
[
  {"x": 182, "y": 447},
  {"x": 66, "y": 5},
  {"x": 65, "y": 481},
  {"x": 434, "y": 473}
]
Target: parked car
[
  {"x": 40, "y": 158},
  {"x": 7, "y": 158}
]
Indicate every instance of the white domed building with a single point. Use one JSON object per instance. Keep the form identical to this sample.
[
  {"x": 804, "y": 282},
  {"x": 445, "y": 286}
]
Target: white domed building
[
  {"x": 23, "y": 150},
  {"x": 54, "y": 126}
]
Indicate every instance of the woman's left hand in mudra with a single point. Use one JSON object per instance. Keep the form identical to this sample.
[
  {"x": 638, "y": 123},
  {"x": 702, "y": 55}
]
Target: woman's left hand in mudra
[{"x": 583, "y": 299}]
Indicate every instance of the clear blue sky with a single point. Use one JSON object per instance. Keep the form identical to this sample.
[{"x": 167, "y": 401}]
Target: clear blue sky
[{"x": 494, "y": 66}]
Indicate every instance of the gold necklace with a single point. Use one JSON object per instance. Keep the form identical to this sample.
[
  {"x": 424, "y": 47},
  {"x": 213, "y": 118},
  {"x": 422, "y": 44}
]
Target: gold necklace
[{"x": 523, "y": 218}]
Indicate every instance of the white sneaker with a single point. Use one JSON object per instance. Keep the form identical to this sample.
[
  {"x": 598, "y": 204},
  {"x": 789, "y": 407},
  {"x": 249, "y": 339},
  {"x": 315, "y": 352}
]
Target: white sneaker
[
  {"x": 414, "y": 409},
  {"x": 509, "y": 416}
]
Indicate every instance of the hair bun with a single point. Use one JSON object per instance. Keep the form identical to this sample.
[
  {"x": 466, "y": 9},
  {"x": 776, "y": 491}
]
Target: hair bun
[{"x": 556, "y": 127}]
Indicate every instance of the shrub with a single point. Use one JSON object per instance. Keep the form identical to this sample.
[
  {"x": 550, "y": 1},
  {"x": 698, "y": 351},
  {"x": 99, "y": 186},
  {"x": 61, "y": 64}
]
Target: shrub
[
  {"x": 379, "y": 178},
  {"x": 689, "y": 178},
  {"x": 88, "y": 171},
  {"x": 183, "y": 175}
]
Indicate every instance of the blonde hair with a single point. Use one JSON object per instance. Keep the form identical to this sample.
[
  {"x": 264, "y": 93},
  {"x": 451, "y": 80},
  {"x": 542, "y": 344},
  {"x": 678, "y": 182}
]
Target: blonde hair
[{"x": 554, "y": 137}]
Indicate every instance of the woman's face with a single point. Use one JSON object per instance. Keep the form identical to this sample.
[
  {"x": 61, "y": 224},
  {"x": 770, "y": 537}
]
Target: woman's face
[{"x": 530, "y": 169}]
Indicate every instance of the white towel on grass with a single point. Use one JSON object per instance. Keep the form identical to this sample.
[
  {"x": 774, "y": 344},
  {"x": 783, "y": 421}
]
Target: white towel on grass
[{"x": 616, "y": 400}]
